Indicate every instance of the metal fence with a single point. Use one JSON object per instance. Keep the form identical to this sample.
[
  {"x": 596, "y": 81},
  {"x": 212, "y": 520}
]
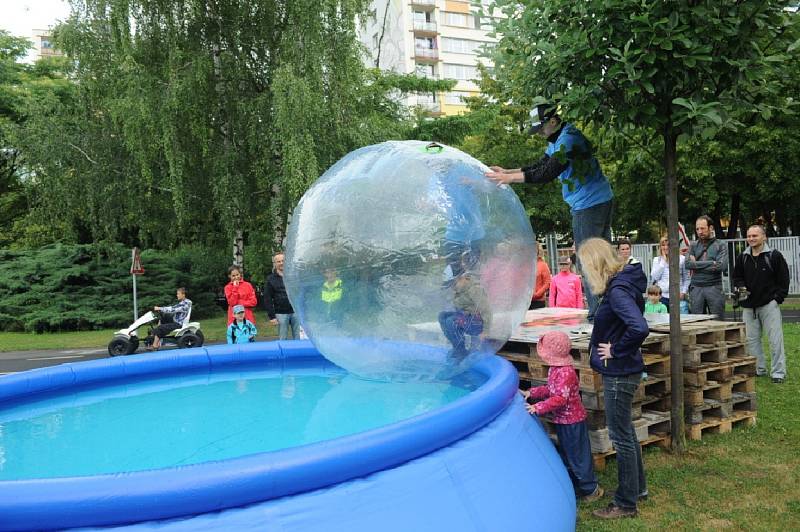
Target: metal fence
[{"x": 788, "y": 246}]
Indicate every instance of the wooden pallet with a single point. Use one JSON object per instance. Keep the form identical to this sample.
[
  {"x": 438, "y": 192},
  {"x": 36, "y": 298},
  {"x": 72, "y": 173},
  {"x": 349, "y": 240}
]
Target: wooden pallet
[
  {"x": 700, "y": 376},
  {"x": 654, "y": 422},
  {"x": 743, "y": 385},
  {"x": 662, "y": 441},
  {"x": 744, "y": 401},
  {"x": 714, "y": 332},
  {"x": 720, "y": 425},
  {"x": 662, "y": 403},
  {"x": 710, "y": 409},
  {"x": 656, "y": 367},
  {"x": 653, "y": 386},
  {"x": 701, "y": 354},
  {"x": 656, "y": 344},
  {"x": 734, "y": 333},
  {"x": 720, "y": 391},
  {"x": 650, "y": 423},
  {"x": 743, "y": 366}
]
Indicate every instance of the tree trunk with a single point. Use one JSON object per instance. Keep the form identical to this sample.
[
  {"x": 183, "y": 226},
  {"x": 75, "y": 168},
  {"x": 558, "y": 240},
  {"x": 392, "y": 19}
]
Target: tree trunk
[
  {"x": 736, "y": 201},
  {"x": 224, "y": 127},
  {"x": 780, "y": 220},
  {"x": 238, "y": 249},
  {"x": 384, "y": 20},
  {"x": 742, "y": 224},
  {"x": 676, "y": 349},
  {"x": 767, "y": 215}
]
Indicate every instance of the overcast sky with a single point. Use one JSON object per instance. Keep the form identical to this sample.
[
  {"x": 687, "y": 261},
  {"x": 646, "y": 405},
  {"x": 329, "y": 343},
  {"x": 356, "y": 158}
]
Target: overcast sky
[{"x": 21, "y": 17}]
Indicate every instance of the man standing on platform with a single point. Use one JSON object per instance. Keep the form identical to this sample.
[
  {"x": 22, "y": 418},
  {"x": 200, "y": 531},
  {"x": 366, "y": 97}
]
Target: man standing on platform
[
  {"x": 764, "y": 273},
  {"x": 708, "y": 260},
  {"x": 569, "y": 157}
]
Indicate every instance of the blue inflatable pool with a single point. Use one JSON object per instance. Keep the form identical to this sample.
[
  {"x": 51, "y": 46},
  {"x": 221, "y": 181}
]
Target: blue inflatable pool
[{"x": 477, "y": 463}]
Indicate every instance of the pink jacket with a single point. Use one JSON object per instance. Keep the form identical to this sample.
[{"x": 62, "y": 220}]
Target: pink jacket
[
  {"x": 561, "y": 394},
  {"x": 566, "y": 291}
]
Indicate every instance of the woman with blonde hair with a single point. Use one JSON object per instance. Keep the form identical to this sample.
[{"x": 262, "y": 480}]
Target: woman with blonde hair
[
  {"x": 617, "y": 336},
  {"x": 659, "y": 274}
]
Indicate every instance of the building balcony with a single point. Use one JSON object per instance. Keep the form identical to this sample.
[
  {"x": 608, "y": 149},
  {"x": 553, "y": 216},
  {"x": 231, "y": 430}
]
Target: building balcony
[
  {"x": 425, "y": 4},
  {"x": 424, "y": 27},
  {"x": 426, "y": 54},
  {"x": 433, "y": 108}
]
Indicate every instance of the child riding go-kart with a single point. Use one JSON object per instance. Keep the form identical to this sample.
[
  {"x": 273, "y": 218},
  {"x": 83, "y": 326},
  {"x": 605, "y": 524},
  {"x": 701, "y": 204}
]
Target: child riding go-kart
[{"x": 126, "y": 341}]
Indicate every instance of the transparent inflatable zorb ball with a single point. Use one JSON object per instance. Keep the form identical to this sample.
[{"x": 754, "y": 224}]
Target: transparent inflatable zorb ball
[{"x": 404, "y": 262}]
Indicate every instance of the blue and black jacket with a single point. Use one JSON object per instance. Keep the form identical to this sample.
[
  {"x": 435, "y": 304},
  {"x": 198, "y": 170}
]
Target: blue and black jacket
[{"x": 619, "y": 321}]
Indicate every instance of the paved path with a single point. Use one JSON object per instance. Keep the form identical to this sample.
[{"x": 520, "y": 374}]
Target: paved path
[{"x": 14, "y": 361}]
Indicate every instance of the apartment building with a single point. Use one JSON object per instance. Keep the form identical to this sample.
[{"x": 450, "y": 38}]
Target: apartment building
[
  {"x": 439, "y": 39},
  {"x": 43, "y": 44}
]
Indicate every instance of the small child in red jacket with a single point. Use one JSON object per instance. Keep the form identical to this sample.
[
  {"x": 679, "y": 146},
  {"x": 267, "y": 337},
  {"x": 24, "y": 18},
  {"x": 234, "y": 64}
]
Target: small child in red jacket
[{"x": 560, "y": 398}]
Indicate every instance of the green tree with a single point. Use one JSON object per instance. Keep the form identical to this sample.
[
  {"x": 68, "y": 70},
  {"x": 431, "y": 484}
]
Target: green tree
[
  {"x": 198, "y": 121},
  {"x": 22, "y": 87},
  {"x": 669, "y": 69}
]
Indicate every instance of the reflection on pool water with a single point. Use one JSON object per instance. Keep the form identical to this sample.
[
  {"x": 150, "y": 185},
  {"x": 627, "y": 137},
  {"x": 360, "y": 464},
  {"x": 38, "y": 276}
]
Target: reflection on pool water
[{"x": 188, "y": 419}]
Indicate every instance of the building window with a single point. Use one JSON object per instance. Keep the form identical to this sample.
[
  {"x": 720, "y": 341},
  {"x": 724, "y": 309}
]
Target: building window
[
  {"x": 462, "y": 20},
  {"x": 456, "y": 97},
  {"x": 425, "y": 71},
  {"x": 460, "y": 72},
  {"x": 46, "y": 44},
  {"x": 375, "y": 41},
  {"x": 460, "y": 46},
  {"x": 424, "y": 42},
  {"x": 423, "y": 16}
]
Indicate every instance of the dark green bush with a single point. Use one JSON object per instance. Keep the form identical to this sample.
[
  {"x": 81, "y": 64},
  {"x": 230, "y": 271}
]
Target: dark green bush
[{"x": 80, "y": 287}]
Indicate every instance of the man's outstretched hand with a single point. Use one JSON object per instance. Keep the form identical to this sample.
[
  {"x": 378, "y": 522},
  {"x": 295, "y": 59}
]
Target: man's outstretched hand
[{"x": 501, "y": 176}]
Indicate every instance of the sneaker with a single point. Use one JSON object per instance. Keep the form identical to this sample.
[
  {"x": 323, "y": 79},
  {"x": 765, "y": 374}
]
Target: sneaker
[
  {"x": 612, "y": 511},
  {"x": 593, "y": 496},
  {"x": 777, "y": 380},
  {"x": 642, "y": 496}
]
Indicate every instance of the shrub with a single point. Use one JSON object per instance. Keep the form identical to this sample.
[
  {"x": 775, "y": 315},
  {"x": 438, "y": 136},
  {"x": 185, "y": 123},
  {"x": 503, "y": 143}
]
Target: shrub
[{"x": 79, "y": 287}]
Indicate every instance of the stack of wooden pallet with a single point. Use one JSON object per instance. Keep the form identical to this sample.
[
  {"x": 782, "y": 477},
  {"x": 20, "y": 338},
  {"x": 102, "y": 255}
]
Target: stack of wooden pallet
[
  {"x": 719, "y": 378},
  {"x": 651, "y": 402},
  {"x": 719, "y": 383}
]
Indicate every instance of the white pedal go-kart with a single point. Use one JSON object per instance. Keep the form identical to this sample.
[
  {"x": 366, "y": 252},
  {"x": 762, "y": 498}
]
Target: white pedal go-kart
[{"x": 126, "y": 341}]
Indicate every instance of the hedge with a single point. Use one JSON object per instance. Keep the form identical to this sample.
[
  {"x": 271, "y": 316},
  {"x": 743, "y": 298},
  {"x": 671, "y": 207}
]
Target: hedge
[{"x": 82, "y": 287}]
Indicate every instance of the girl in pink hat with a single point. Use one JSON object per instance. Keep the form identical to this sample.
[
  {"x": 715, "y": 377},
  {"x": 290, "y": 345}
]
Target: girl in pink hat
[{"x": 560, "y": 398}]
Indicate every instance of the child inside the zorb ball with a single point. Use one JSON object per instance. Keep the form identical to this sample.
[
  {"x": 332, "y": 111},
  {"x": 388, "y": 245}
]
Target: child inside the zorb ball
[{"x": 471, "y": 318}]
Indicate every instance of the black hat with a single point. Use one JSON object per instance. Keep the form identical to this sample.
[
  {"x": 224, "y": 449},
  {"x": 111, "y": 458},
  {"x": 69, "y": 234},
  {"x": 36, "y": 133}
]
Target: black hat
[{"x": 539, "y": 115}]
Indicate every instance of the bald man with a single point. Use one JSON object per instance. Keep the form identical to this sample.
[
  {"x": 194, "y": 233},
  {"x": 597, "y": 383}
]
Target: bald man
[{"x": 764, "y": 273}]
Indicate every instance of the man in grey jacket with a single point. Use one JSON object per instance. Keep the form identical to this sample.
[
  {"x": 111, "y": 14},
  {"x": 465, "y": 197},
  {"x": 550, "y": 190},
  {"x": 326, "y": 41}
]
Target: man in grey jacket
[{"x": 708, "y": 260}]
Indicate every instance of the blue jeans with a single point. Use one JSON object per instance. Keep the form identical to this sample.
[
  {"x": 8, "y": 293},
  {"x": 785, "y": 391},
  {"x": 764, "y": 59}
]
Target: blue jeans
[
  {"x": 576, "y": 452},
  {"x": 458, "y": 324},
  {"x": 618, "y": 397},
  {"x": 286, "y": 321},
  {"x": 594, "y": 221}
]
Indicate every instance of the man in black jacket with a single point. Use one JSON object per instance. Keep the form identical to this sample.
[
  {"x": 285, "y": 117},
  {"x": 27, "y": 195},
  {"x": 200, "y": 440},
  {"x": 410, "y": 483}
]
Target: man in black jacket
[
  {"x": 276, "y": 301},
  {"x": 765, "y": 275}
]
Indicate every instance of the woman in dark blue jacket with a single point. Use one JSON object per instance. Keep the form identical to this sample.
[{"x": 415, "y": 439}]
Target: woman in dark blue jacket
[{"x": 617, "y": 336}]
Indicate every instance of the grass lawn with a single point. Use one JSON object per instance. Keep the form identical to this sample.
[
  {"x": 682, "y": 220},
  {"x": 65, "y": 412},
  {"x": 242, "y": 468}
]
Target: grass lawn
[
  {"x": 213, "y": 329},
  {"x": 745, "y": 480}
]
